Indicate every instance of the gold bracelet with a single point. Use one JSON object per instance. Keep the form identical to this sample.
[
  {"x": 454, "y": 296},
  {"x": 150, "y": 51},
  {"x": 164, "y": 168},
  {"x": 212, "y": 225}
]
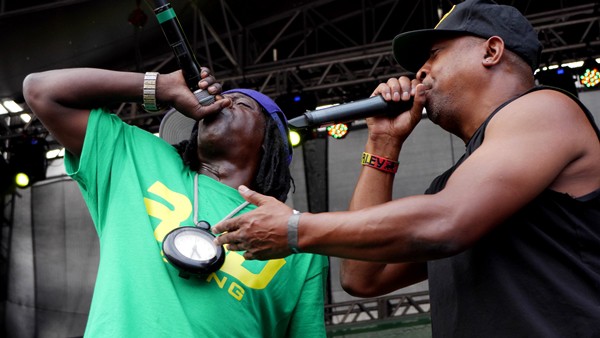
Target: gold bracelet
[{"x": 149, "y": 92}]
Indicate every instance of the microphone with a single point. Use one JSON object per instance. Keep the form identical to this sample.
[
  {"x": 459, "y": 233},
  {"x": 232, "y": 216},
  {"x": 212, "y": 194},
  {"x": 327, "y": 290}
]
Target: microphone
[
  {"x": 350, "y": 111},
  {"x": 181, "y": 48}
]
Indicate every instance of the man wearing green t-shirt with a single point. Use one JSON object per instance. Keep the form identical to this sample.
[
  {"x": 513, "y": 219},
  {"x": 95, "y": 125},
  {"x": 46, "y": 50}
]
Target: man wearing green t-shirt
[{"x": 141, "y": 190}]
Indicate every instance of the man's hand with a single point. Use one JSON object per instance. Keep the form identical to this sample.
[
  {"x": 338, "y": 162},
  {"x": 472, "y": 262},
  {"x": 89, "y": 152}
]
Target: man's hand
[
  {"x": 172, "y": 89},
  {"x": 262, "y": 233},
  {"x": 396, "y": 128}
]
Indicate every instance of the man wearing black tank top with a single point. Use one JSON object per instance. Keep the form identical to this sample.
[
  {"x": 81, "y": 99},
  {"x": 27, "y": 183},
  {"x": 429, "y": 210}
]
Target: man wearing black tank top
[{"x": 509, "y": 237}]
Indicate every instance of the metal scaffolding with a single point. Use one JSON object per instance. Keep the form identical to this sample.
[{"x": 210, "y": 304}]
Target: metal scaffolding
[{"x": 337, "y": 51}]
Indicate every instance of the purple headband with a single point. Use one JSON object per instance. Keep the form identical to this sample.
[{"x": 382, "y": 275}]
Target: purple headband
[{"x": 274, "y": 112}]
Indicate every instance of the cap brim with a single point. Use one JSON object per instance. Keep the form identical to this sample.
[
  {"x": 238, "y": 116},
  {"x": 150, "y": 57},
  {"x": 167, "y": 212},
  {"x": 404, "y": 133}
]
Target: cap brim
[
  {"x": 175, "y": 127},
  {"x": 411, "y": 49}
]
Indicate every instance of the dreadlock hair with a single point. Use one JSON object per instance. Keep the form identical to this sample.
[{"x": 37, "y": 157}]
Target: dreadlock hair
[{"x": 273, "y": 177}]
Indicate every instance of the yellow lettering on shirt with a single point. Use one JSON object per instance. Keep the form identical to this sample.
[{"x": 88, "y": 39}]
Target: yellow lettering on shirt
[
  {"x": 170, "y": 218},
  {"x": 236, "y": 291},
  {"x": 220, "y": 282},
  {"x": 180, "y": 210},
  {"x": 233, "y": 266}
]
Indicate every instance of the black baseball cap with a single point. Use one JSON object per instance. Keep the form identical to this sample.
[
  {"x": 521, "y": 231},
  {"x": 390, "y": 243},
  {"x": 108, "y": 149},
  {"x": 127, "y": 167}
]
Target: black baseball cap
[{"x": 482, "y": 18}]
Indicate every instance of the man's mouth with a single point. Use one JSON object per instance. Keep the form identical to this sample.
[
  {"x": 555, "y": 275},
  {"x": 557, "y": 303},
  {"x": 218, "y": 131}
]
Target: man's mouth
[
  {"x": 214, "y": 116},
  {"x": 210, "y": 118}
]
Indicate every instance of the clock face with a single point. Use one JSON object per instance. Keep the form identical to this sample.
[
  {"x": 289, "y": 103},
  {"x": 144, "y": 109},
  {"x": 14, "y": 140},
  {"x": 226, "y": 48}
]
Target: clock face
[
  {"x": 195, "y": 246},
  {"x": 191, "y": 250}
]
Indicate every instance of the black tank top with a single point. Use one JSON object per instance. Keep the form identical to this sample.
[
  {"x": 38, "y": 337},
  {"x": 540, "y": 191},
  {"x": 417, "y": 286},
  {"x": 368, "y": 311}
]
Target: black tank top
[{"x": 535, "y": 275}]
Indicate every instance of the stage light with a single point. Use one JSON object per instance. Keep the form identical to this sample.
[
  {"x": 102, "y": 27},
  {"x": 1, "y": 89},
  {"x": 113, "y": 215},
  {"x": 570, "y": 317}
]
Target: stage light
[
  {"x": 299, "y": 136},
  {"x": 22, "y": 180},
  {"x": 28, "y": 156},
  {"x": 590, "y": 77},
  {"x": 54, "y": 153},
  {"x": 572, "y": 65},
  {"x": 295, "y": 138},
  {"x": 12, "y": 106},
  {"x": 25, "y": 117},
  {"x": 337, "y": 131}
]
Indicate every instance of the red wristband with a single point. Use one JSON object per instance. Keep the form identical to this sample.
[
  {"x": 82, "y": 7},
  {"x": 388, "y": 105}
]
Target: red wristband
[{"x": 379, "y": 163}]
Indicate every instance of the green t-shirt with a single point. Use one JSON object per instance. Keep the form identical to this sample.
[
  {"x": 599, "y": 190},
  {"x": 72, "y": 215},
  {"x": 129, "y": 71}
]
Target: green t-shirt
[{"x": 137, "y": 189}]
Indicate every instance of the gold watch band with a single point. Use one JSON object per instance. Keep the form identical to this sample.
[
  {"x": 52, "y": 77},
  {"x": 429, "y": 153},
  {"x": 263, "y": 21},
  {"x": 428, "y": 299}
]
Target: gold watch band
[{"x": 149, "y": 93}]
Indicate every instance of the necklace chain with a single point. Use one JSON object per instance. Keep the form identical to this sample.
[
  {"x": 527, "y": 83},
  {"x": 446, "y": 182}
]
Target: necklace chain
[{"x": 231, "y": 214}]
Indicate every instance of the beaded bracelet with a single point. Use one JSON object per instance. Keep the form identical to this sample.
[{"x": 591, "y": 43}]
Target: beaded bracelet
[{"x": 379, "y": 163}]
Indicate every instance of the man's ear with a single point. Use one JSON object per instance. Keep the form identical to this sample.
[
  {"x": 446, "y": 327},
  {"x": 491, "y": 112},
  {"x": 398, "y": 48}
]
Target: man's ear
[{"x": 494, "y": 50}]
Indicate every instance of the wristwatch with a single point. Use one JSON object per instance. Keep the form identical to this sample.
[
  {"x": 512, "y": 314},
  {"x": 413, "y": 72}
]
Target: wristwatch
[{"x": 149, "y": 92}]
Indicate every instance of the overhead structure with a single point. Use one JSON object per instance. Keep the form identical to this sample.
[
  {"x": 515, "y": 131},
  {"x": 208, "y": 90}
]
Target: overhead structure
[{"x": 336, "y": 51}]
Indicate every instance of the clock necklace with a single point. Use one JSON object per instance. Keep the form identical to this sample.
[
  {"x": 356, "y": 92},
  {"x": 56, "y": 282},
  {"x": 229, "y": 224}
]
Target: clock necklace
[{"x": 191, "y": 249}]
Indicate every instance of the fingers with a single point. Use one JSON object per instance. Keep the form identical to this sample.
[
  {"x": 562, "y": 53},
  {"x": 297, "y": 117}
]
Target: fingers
[
  {"x": 229, "y": 236},
  {"x": 209, "y": 83},
  {"x": 228, "y": 231},
  {"x": 385, "y": 90},
  {"x": 261, "y": 233},
  {"x": 225, "y": 226},
  {"x": 199, "y": 111},
  {"x": 233, "y": 239},
  {"x": 396, "y": 89},
  {"x": 420, "y": 93},
  {"x": 233, "y": 224},
  {"x": 403, "y": 88},
  {"x": 214, "y": 88},
  {"x": 206, "y": 77},
  {"x": 254, "y": 197},
  {"x": 205, "y": 72}
]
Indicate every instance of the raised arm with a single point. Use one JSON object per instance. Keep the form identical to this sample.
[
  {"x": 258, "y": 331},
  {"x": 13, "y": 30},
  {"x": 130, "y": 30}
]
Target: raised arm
[
  {"x": 374, "y": 187},
  {"x": 62, "y": 99},
  {"x": 520, "y": 157}
]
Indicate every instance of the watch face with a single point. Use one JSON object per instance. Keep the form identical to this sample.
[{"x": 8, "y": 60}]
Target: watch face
[
  {"x": 191, "y": 250},
  {"x": 194, "y": 246}
]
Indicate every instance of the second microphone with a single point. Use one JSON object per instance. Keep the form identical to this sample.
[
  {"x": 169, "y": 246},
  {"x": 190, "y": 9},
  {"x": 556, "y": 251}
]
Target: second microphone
[{"x": 350, "y": 111}]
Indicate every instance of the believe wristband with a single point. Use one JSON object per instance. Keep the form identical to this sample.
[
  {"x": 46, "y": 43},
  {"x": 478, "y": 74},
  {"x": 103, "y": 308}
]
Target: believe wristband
[
  {"x": 292, "y": 231},
  {"x": 379, "y": 163}
]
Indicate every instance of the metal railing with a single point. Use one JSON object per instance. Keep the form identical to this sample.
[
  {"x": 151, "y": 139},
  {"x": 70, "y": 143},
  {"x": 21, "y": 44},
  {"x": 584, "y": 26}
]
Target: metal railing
[{"x": 366, "y": 311}]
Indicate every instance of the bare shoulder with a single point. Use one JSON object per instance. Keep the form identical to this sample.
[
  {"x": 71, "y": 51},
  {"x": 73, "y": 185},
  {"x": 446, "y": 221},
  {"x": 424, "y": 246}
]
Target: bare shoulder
[
  {"x": 550, "y": 104},
  {"x": 546, "y": 111},
  {"x": 558, "y": 128}
]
